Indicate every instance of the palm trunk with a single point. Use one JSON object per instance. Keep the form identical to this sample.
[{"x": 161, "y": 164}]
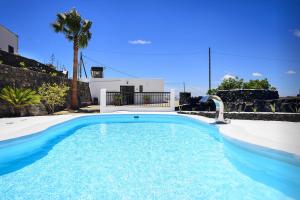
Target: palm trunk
[{"x": 74, "y": 99}]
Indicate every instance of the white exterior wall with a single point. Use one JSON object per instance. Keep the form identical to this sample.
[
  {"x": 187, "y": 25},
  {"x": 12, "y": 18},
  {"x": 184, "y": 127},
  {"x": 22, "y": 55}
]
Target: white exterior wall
[
  {"x": 113, "y": 85},
  {"x": 107, "y": 109},
  {"x": 8, "y": 38}
]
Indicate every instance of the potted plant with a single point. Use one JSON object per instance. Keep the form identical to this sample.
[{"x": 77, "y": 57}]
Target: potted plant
[
  {"x": 117, "y": 99},
  {"x": 146, "y": 99}
]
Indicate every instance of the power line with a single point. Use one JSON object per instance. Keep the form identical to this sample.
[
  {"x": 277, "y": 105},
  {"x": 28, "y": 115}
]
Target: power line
[
  {"x": 106, "y": 66},
  {"x": 197, "y": 52},
  {"x": 254, "y": 57},
  {"x": 171, "y": 82}
]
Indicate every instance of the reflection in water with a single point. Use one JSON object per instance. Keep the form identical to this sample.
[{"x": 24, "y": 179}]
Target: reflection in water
[
  {"x": 103, "y": 131},
  {"x": 26, "y": 150},
  {"x": 172, "y": 129},
  {"x": 281, "y": 175}
]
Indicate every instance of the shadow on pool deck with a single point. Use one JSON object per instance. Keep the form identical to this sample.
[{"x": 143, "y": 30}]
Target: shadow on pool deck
[{"x": 87, "y": 109}]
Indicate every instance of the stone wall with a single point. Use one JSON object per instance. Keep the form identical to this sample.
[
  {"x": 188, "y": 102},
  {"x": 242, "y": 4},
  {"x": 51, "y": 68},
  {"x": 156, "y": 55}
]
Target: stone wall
[
  {"x": 291, "y": 117},
  {"x": 15, "y": 60},
  {"x": 247, "y": 101},
  {"x": 247, "y": 95},
  {"x": 25, "y": 78}
]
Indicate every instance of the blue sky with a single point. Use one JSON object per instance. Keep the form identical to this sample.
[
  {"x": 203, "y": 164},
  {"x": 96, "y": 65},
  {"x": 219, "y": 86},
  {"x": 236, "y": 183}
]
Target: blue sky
[{"x": 169, "y": 39}]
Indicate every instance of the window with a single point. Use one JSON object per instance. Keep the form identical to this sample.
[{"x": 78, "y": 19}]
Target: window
[
  {"x": 141, "y": 88},
  {"x": 11, "y": 49}
]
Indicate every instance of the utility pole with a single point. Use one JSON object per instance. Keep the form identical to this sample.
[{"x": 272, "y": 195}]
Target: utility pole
[
  {"x": 52, "y": 59},
  {"x": 209, "y": 70},
  {"x": 80, "y": 65}
]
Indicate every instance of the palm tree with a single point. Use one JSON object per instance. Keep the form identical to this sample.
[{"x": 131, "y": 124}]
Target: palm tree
[
  {"x": 19, "y": 98},
  {"x": 76, "y": 30}
]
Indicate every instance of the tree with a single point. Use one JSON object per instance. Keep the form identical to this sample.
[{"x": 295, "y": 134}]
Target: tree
[
  {"x": 212, "y": 91},
  {"x": 19, "y": 98},
  {"x": 53, "y": 95},
  {"x": 236, "y": 83},
  {"x": 257, "y": 84},
  {"x": 231, "y": 83},
  {"x": 76, "y": 30}
]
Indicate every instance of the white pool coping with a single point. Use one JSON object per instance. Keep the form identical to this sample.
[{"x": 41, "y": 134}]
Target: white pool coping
[{"x": 278, "y": 135}]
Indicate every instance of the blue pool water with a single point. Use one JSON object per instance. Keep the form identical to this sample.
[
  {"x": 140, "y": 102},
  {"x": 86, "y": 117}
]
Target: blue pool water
[{"x": 150, "y": 157}]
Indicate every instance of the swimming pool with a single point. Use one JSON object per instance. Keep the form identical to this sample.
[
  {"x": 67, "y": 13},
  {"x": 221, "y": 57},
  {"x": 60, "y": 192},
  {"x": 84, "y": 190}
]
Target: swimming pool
[{"x": 141, "y": 157}]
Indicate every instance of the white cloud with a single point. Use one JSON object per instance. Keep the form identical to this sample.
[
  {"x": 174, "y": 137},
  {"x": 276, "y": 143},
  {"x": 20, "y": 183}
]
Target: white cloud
[
  {"x": 257, "y": 74},
  {"x": 290, "y": 72},
  {"x": 296, "y": 32},
  {"x": 228, "y": 76},
  {"x": 142, "y": 42}
]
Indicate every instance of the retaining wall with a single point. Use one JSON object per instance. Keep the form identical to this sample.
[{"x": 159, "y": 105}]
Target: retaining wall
[
  {"x": 25, "y": 78},
  {"x": 291, "y": 117},
  {"x": 15, "y": 60}
]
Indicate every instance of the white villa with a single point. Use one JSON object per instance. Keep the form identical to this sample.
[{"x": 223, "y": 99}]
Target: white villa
[
  {"x": 123, "y": 85},
  {"x": 8, "y": 41}
]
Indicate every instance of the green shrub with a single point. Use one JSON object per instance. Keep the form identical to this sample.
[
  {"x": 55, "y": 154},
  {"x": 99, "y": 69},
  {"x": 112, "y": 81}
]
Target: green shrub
[
  {"x": 295, "y": 109},
  {"x": 23, "y": 65},
  {"x": 236, "y": 83},
  {"x": 257, "y": 84},
  {"x": 53, "y": 95},
  {"x": 212, "y": 92},
  {"x": 231, "y": 83},
  {"x": 146, "y": 99},
  {"x": 273, "y": 88},
  {"x": 273, "y": 107},
  {"x": 117, "y": 99},
  {"x": 19, "y": 98},
  {"x": 53, "y": 73}
]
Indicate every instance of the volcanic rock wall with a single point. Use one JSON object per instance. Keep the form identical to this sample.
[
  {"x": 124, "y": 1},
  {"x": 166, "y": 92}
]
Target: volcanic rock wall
[{"x": 25, "y": 78}]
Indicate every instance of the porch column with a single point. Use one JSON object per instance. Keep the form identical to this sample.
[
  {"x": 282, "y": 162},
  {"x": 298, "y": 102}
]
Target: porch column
[
  {"x": 102, "y": 100},
  {"x": 172, "y": 99}
]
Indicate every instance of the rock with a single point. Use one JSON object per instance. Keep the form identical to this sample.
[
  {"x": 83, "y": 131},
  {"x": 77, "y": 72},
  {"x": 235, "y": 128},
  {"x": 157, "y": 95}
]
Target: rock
[
  {"x": 36, "y": 110},
  {"x": 248, "y": 107},
  {"x": 259, "y": 105},
  {"x": 286, "y": 107},
  {"x": 247, "y": 95},
  {"x": 184, "y": 97}
]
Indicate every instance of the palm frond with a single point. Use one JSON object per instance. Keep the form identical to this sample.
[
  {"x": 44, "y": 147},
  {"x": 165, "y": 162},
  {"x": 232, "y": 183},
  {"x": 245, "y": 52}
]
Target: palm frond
[
  {"x": 19, "y": 97},
  {"x": 73, "y": 26}
]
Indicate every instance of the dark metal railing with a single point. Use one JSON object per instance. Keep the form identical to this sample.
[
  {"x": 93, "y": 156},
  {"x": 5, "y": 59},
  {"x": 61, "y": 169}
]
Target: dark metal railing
[{"x": 148, "y": 99}]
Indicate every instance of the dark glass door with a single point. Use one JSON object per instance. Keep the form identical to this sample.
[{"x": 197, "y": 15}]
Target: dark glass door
[{"x": 127, "y": 93}]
